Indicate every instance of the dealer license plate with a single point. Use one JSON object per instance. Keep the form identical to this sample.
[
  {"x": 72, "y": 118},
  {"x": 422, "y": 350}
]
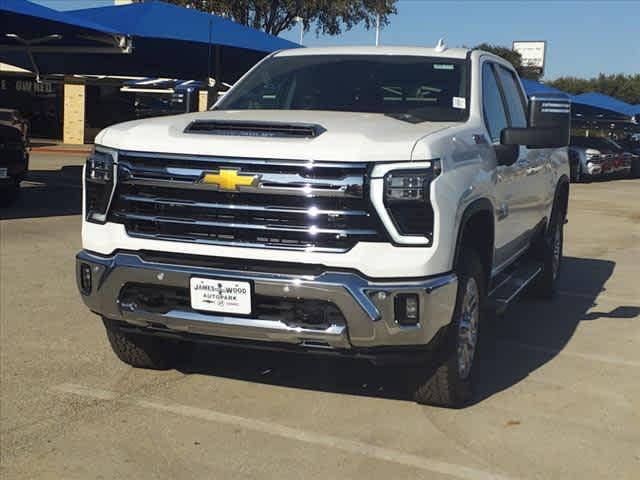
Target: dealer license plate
[
  {"x": 3, "y": 173},
  {"x": 222, "y": 296}
]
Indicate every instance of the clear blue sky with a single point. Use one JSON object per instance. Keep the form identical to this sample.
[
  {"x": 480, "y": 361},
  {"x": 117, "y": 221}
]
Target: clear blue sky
[{"x": 583, "y": 37}]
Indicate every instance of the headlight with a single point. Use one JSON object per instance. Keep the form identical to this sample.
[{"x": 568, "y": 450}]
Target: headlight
[
  {"x": 591, "y": 153},
  {"x": 407, "y": 186},
  {"x": 406, "y": 198},
  {"x": 99, "y": 182}
]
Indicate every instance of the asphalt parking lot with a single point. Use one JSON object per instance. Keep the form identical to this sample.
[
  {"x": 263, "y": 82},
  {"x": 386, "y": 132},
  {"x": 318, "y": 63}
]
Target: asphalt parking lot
[{"x": 561, "y": 396}]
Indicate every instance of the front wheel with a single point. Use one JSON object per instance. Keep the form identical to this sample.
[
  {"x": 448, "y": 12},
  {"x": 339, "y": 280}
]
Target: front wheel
[
  {"x": 144, "y": 351},
  {"x": 450, "y": 383},
  {"x": 552, "y": 253}
]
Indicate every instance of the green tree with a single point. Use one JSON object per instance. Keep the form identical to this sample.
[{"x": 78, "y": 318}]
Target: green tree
[
  {"x": 622, "y": 87},
  {"x": 330, "y": 17},
  {"x": 513, "y": 57}
]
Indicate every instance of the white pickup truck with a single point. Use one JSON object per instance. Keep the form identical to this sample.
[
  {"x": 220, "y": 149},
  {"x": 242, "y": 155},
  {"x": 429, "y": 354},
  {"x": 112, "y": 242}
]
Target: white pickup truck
[{"x": 362, "y": 202}]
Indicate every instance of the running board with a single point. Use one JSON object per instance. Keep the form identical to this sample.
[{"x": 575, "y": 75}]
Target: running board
[{"x": 510, "y": 284}]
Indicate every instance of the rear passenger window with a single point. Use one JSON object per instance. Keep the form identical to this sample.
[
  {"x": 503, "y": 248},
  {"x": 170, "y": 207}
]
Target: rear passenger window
[
  {"x": 513, "y": 96},
  {"x": 494, "y": 114}
]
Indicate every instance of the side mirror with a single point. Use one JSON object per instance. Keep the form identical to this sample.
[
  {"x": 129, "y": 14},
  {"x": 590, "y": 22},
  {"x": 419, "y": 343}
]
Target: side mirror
[{"x": 534, "y": 137}]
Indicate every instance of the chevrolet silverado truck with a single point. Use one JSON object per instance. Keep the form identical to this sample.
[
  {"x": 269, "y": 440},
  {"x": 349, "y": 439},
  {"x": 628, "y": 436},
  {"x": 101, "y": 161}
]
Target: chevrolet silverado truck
[{"x": 363, "y": 202}]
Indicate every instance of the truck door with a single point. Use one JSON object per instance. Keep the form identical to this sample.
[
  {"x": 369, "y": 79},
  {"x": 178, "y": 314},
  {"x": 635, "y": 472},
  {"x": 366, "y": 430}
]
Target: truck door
[
  {"x": 535, "y": 160},
  {"x": 512, "y": 192}
]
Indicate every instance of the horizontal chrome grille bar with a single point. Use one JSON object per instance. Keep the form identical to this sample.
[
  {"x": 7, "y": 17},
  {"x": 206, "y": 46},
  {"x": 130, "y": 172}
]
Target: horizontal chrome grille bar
[
  {"x": 311, "y": 212},
  {"x": 268, "y": 183},
  {"x": 123, "y": 156},
  {"x": 230, "y": 243},
  {"x": 207, "y": 223}
]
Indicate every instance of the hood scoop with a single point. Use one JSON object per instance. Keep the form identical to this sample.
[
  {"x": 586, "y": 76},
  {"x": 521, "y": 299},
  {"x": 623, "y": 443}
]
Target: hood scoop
[{"x": 255, "y": 129}]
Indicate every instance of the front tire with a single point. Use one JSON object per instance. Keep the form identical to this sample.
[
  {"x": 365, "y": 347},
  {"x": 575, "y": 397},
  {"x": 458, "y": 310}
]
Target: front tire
[
  {"x": 451, "y": 383},
  {"x": 144, "y": 351},
  {"x": 552, "y": 253}
]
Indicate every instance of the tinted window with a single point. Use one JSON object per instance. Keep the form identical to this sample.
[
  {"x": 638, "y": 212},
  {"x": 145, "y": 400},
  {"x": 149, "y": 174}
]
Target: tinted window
[
  {"x": 410, "y": 88},
  {"x": 492, "y": 105},
  {"x": 513, "y": 97}
]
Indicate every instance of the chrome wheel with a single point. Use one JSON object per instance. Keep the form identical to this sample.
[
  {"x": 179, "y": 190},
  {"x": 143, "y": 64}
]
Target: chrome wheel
[
  {"x": 468, "y": 328},
  {"x": 556, "y": 250}
]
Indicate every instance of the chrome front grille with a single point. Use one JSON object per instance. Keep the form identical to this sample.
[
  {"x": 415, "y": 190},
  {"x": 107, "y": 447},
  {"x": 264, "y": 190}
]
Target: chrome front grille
[{"x": 318, "y": 206}]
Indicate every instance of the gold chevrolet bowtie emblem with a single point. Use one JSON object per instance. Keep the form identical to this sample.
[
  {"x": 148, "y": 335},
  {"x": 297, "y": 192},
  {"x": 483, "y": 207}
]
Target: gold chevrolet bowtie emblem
[{"x": 228, "y": 179}]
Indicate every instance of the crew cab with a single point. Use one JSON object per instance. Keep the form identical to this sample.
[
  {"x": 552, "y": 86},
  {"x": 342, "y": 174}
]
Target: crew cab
[{"x": 366, "y": 202}]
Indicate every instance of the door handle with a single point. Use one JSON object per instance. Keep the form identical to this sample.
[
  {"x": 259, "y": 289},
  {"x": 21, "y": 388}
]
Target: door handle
[{"x": 532, "y": 170}]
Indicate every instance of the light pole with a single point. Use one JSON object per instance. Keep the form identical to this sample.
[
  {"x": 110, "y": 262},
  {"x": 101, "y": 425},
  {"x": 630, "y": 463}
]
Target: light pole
[
  {"x": 299, "y": 20},
  {"x": 377, "y": 29}
]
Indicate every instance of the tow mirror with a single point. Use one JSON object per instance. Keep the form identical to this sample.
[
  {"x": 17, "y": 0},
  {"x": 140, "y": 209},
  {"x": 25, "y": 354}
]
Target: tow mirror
[
  {"x": 549, "y": 123},
  {"x": 534, "y": 137}
]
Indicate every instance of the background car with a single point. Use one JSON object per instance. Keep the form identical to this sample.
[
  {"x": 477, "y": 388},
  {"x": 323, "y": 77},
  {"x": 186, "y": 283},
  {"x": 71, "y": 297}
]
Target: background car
[
  {"x": 591, "y": 157},
  {"x": 14, "y": 161}
]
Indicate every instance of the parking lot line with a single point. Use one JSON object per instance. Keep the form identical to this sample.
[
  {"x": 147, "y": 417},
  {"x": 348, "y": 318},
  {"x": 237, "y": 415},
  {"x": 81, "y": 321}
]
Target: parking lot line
[
  {"x": 344, "y": 444},
  {"x": 585, "y": 356}
]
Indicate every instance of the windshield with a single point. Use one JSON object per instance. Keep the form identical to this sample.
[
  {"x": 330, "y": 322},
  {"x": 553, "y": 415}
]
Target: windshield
[{"x": 410, "y": 88}]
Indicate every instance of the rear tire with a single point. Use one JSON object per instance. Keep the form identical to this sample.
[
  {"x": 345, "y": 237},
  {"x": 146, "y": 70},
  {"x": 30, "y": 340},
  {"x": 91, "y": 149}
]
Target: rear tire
[
  {"x": 451, "y": 383},
  {"x": 145, "y": 351}
]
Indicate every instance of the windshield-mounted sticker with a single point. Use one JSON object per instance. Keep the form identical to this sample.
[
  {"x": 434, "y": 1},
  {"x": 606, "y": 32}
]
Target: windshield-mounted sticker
[
  {"x": 443, "y": 66},
  {"x": 459, "y": 102}
]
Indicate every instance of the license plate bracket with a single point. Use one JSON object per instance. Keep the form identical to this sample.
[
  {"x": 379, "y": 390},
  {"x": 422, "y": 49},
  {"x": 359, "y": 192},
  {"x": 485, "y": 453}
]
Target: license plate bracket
[{"x": 233, "y": 297}]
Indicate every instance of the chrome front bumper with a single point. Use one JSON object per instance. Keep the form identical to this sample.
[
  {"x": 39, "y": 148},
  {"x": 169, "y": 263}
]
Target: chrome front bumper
[{"x": 368, "y": 313}]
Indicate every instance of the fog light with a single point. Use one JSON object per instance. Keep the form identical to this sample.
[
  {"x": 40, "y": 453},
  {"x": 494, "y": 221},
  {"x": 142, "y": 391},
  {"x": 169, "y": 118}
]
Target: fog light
[
  {"x": 407, "y": 309},
  {"x": 85, "y": 278}
]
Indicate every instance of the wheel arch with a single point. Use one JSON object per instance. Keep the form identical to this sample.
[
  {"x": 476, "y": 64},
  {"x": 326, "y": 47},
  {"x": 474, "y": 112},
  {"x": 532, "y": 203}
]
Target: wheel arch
[
  {"x": 561, "y": 197},
  {"x": 476, "y": 231}
]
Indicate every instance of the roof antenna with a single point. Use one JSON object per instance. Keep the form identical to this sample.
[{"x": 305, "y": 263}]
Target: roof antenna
[{"x": 441, "y": 46}]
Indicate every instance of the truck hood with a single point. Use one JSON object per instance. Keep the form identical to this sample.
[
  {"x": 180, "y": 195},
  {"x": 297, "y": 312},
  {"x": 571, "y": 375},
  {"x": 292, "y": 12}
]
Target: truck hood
[{"x": 346, "y": 136}]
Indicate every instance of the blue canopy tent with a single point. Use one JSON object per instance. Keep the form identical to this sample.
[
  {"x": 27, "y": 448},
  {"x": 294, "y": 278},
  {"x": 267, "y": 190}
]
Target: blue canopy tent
[
  {"x": 169, "y": 41},
  {"x": 593, "y": 108},
  {"x": 29, "y": 30}
]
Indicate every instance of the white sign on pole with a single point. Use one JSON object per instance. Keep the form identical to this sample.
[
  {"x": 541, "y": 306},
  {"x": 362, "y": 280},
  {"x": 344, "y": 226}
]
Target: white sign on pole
[{"x": 533, "y": 53}]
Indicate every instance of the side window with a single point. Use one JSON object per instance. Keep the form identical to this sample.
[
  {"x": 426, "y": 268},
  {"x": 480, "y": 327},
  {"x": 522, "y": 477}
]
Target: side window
[
  {"x": 494, "y": 114},
  {"x": 513, "y": 96}
]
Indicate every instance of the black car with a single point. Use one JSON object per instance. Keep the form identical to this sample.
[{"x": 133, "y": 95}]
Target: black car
[{"x": 14, "y": 160}]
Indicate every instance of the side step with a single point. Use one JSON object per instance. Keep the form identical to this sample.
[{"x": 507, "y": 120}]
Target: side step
[{"x": 511, "y": 283}]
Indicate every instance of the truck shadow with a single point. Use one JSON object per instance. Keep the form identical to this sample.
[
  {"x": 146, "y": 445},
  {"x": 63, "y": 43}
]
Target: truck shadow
[
  {"x": 531, "y": 334},
  {"x": 46, "y": 193}
]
